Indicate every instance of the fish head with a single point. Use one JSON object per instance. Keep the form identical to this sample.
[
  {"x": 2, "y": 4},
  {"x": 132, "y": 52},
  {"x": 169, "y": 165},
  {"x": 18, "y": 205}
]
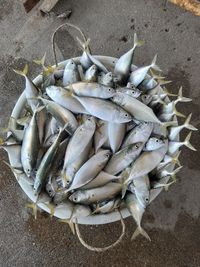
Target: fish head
[
  {"x": 78, "y": 196},
  {"x": 135, "y": 148},
  {"x": 70, "y": 64},
  {"x": 132, "y": 92},
  {"x": 131, "y": 86},
  {"x": 104, "y": 155},
  {"x": 37, "y": 186},
  {"x": 93, "y": 69},
  {"x": 145, "y": 126},
  {"x": 143, "y": 196},
  {"x": 108, "y": 77},
  {"x": 154, "y": 143},
  {"x": 122, "y": 115},
  {"x": 108, "y": 92},
  {"x": 146, "y": 99}
]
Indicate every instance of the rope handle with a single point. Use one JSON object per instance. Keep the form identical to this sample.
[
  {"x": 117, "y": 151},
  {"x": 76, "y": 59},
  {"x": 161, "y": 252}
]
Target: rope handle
[
  {"x": 97, "y": 249},
  {"x": 54, "y": 34}
]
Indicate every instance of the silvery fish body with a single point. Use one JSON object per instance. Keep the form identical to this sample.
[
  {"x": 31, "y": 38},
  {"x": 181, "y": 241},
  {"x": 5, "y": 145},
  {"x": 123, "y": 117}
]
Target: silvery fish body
[
  {"x": 63, "y": 98},
  {"x": 101, "y": 134},
  {"x": 153, "y": 143},
  {"x": 123, "y": 158},
  {"x": 105, "y": 110},
  {"x": 136, "y": 108},
  {"x": 132, "y": 92},
  {"x": 139, "y": 133},
  {"x": 90, "y": 196},
  {"x": 108, "y": 206},
  {"x": 76, "y": 145},
  {"x": 92, "y": 90},
  {"x": 90, "y": 169}
]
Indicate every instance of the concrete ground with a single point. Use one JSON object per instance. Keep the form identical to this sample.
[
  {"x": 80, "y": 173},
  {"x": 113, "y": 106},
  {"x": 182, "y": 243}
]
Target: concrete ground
[{"x": 172, "y": 220}]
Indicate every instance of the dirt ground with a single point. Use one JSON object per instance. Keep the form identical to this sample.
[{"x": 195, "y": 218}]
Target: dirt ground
[{"x": 172, "y": 220}]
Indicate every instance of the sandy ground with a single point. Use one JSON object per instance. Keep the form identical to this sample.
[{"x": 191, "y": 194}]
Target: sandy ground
[{"x": 173, "y": 220}]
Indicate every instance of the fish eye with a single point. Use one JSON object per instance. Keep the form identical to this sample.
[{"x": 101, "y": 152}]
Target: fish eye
[
  {"x": 136, "y": 146},
  {"x": 107, "y": 155},
  {"x": 146, "y": 199},
  {"x": 126, "y": 115},
  {"x": 28, "y": 170},
  {"x": 157, "y": 140},
  {"x": 75, "y": 198},
  {"x": 89, "y": 119}
]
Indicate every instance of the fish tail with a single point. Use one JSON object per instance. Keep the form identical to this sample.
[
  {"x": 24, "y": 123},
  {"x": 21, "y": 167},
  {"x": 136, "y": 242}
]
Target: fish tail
[
  {"x": 137, "y": 43},
  {"x": 153, "y": 64},
  {"x": 84, "y": 45},
  {"x": 155, "y": 76},
  {"x": 140, "y": 231},
  {"x": 175, "y": 159},
  {"x": 166, "y": 186},
  {"x": 124, "y": 189},
  {"x": 162, "y": 82},
  {"x": 167, "y": 92},
  {"x": 187, "y": 124},
  {"x": 187, "y": 142},
  {"x": 40, "y": 61},
  {"x": 177, "y": 113},
  {"x": 181, "y": 98},
  {"x": 22, "y": 72},
  {"x": 169, "y": 123},
  {"x": 176, "y": 171}
]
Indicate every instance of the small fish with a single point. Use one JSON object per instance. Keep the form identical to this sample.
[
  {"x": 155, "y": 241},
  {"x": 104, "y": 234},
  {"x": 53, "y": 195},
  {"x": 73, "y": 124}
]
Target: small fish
[
  {"x": 101, "y": 179},
  {"x": 140, "y": 187},
  {"x": 123, "y": 158},
  {"x": 62, "y": 115},
  {"x": 152, "y": 81},
  {"x": 153, "y": 143},
  {"x": 137, "y": 76},
  {"x": 175, "y": 145},
  {"x": 91, "y": 74},
  {"x": 175, "y": 130},
  {"x": 137, "y": 211},
  {"x": 116, "y": 133},
  {"x": 66, "y": 100},
  {"x": 123, "y": 64},
  {"x": 162, "y": 183},
  {"x": 136, "y": 108},
  {"x": 30, "y": 145},
  {"x": 45, "y": 164},
  {"x": 31, "y": 91},
  {"x": 89, "y": 196},
  {"x": 71, "y": 73},
  {"x": 104, "y": 110},
  {"x": 90, "y": 169},
  {"x": 76, "y": 145},
  {"x": 146, "y": 162},
  {"x": 92, "y": 90},
  {"x": 139, "y": 133}
]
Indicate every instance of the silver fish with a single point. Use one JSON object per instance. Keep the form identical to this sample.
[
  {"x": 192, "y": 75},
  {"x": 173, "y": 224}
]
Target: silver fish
[
  {"x": 123, "y": 64},
  {"x": 45, "y": 164},
  {"x": 170, "y": 159},
  {"x": 61, "y": 114},
  {"x": 104, "y": 110},
  {"x": 140, "y": 187},
  {"x": 76, "y": 145},
  {"x": 71, "y": 74},
  {"x": 137, "y": 76},
  {"x": 116, "y": 133},
  {"x": 90, "y": 196},
  {"x": 108, "y": 206},
  {"x": 65, "y": 99},
  {"x": 30, "y": 146},
  {"x": 140, "y": 133},
  {"x": 136, "y": 108},
  {"x": 90, "y": 169},
  {"x": 146, "y": 162},
  {"x": 92, "y": 90},
  {"x": 123, "y": 158},
  {"x": 132, "y": 92},
  {"x": 146, "y": 99},
  {"x": 31, "y": 91},
  {"x": 137, "y": 211}
]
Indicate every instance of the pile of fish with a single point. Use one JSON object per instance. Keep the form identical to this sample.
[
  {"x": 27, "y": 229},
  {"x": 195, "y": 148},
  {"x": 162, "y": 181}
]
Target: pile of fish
[{"x": 97, "y": 138}]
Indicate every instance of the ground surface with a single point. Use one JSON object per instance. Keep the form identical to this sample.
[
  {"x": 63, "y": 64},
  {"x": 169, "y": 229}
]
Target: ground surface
[{"x": 173, "y": 220}]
